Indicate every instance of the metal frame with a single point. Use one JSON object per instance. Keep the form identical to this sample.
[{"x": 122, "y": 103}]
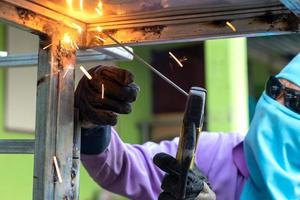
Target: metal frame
[
  {"x": 292, "y": 5},
  {"x": 24, "y": 60},
  {"x": 56, "y": 132},
  {"x": 180, "y": 24}
]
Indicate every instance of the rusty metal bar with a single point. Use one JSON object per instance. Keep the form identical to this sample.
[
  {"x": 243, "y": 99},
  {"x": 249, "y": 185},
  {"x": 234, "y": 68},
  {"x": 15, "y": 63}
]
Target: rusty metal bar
[
  {"x": 25, "y": 15},
  {"x": 16, "y": 146},
  {"x": 197, "y": 25},
  {"x": 54, "y": 122},
  {"x": 293, "y": 6}
]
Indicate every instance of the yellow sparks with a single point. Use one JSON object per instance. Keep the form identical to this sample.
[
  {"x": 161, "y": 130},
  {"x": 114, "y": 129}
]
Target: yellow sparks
[
  {"x": 49, "y": 45},
  {"x": 77, "y": 27},
  {"x": 86, "y": 73},
  {"x": 231, "y": 26},
  {"x": 99, "y": 8},
  {"x": 57, "y": 169},
  {"x": 99, "y": 29},
  {"x": 100, "y": 38},
  {"x": 75, "y": 45},
  {"x": 81, "y": 4},
  {"x": 102, "y": 91},
  {"x": 70, "y": 3},
  {"x": 174, "y": 57}
]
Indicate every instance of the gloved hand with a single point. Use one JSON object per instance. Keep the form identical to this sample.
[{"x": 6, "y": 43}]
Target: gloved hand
[
  {"x": 197, "y": 185},
  {"x": 96, "y": 114},
  {"x": 119, "y": 92}
]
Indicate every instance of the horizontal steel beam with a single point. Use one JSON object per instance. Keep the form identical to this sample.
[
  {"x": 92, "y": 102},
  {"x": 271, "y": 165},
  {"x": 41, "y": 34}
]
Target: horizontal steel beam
[
  {"x": 16, "y": 146},
  {"x": 196, "y": 25},
  {"x": 24, "y": 60},
  {"x": 292, "y": 5}
]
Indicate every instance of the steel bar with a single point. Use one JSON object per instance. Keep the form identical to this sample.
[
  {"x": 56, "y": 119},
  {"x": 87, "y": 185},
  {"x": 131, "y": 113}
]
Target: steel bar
[
  {"x": 292, "y": 5},
  {"x": 193, "y": 25},
  {"x": 54, "y": 122},
  {"x": 24, "y": 60},
  {"x": 16, "y": 146},
  {"x": 140, "y": 59},
  {"x": 75, "y": 174}
]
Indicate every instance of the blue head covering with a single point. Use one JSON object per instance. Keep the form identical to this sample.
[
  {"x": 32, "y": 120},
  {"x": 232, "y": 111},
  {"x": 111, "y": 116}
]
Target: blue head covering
[
  {"x": 272, "y": 147},
  {"x": 291, "y": 72}
]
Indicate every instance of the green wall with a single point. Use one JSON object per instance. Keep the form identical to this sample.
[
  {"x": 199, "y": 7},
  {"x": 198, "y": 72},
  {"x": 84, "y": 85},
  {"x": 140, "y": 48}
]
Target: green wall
[{"x": 226, "y": 74}]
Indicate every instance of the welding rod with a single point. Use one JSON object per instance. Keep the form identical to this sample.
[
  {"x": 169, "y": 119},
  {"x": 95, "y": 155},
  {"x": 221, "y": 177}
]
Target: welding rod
[{"x": 147, "y": 64}]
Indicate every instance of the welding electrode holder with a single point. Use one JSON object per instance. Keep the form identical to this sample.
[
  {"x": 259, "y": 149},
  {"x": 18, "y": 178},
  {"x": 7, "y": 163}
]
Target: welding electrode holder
[{"x": 191, "y": 128}]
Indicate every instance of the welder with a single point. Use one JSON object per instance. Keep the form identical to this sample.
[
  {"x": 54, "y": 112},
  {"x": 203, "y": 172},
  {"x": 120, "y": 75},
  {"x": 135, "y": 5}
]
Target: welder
[{"x": 263, "y": 165}]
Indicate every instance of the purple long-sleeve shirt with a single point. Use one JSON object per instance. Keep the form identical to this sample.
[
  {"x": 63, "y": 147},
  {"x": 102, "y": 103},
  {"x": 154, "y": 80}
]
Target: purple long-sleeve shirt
[{"x": 128, "y": 169}]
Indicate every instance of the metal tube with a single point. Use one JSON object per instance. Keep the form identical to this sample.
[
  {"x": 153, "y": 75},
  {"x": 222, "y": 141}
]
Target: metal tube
[{"x": 148, "y": 65}]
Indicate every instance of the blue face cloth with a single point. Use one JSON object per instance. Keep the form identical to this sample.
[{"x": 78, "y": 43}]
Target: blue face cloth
[{"x": 272, "y": 151}]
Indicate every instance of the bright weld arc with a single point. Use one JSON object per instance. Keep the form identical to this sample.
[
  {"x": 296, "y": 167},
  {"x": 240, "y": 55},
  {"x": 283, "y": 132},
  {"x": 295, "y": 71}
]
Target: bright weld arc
[
  {"x": 99, "y": 29},
  {"x": 86, "y": 73},
  {"x": 102, "y": 91},
  {"x": 230, "y": 25},
  {"x": 57, "y": 169},
  {"x": 46, "y": 47},
  {"x": 174, "y": 57}
]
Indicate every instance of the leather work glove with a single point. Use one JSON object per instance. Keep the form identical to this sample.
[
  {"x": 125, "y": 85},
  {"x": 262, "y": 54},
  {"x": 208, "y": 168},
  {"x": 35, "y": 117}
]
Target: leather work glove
[
  {"x": 119, "y": 92},
  {"x": 97, "y": 114},
  {"x": 197, "y": 185}
]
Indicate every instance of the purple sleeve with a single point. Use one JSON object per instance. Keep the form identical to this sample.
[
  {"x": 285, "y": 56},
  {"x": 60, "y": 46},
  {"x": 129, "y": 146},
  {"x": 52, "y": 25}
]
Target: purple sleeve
[
  {"x": 128, "y": 169},
  {"x": 215, "y": 159}
]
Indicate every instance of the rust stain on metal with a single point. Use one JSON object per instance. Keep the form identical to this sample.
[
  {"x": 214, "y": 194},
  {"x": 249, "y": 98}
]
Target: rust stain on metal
[
  {"x": 25, "y": 14},
  {"x": 153, "y": 29},
  {"x": 272, "y": 19},
  {"x": 43, "y": 79}
]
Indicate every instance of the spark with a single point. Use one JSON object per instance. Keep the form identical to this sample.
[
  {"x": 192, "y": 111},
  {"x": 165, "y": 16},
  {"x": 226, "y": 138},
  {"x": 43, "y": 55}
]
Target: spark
[
  {"x": 99, "y": 29},
  {"x": 86, "y": 73},
  {"x": 102, "y": 91},
  {"x": 70, "y": 3},
  {"x": 81, "y": 4},
  {"x": 231, "y": 26},
  {"x": 49, "y": 45},
  {"x": 57, "y": 169},
  {"x": 77, "y": 27},
  {"x": 99, "y": 8},
  {"x": 72, "y": 45},
  {"x": 174, "y": 57},
  {"x": 68, "y": 68},
  {"x": 75, "y": 45},
  {"x": 100, "y": 38}
]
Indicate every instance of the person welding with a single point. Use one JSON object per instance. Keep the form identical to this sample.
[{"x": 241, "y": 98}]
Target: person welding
[{"x": 263, "y": 165}]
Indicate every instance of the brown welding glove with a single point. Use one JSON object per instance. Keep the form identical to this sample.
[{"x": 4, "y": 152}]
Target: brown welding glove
[
  {"x": 197, "y": 185},
  {"x": 119, "y": 92}
]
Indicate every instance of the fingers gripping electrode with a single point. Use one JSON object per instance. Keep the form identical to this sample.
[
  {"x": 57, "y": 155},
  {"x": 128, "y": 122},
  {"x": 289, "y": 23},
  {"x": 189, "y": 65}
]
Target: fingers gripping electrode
[{"x": 191, "y": 128}]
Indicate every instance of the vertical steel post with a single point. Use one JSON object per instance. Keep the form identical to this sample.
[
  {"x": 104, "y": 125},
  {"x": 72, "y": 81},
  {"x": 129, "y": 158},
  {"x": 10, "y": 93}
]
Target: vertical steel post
[{"x": 54, "y": 123}]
